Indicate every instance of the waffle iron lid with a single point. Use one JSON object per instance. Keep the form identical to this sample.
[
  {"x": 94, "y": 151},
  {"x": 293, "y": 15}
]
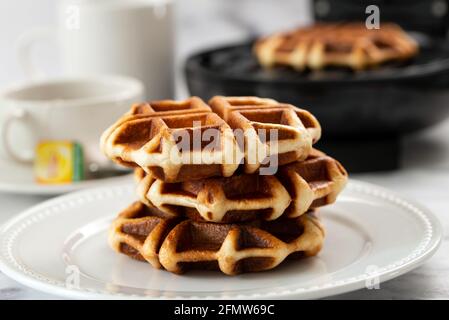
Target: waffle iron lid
[{"x": 427, "y": 16}]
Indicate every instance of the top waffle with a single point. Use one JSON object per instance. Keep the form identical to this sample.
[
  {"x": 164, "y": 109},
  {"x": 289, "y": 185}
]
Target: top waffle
[
  {"x": 350, "y": 45},
  {"x": 188, "y": 140}
]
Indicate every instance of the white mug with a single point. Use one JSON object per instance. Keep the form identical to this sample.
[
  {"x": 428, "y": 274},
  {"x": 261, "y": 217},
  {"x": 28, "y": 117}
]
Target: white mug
[
  {"x": 125, "y": 37},
  {"x": 73, "y": 109}
]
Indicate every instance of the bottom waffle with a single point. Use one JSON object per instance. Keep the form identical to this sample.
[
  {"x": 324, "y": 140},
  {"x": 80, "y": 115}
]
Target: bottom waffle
[{"x": 147, "y": 234}]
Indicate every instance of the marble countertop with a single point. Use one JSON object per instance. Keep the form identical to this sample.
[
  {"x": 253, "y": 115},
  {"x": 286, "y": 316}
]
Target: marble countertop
[{"x": 424, "y": 177}]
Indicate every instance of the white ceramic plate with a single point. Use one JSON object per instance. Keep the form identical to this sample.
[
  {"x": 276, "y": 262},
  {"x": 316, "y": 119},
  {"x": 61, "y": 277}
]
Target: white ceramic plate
[
  {"x": 19, "y": 179},
  {"x": 372, "y": 234}
]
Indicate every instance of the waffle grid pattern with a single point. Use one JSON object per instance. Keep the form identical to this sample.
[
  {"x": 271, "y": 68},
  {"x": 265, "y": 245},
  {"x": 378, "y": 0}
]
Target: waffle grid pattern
[
  {"x": 177, "y": 246},
  {"x": 153, "y": 135},
  {"x": 346, "y": 44},
  {"x": 297, "y": 188}
]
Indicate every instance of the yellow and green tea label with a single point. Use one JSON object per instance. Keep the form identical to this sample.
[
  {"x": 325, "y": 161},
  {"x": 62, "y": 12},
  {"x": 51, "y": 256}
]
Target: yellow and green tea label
[{"x": 59, "y": 162}]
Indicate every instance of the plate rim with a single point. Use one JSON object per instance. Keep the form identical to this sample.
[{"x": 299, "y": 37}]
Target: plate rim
[{"x": 393, "y": 270}]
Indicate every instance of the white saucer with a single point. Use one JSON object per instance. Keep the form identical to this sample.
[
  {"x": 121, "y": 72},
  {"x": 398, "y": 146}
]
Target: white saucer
[
  {"x": 19, "y": 179},
  {"x": 372, "y": 235}
]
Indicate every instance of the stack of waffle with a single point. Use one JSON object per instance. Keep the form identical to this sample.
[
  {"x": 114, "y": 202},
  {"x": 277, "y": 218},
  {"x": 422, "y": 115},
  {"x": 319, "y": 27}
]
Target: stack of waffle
[{"x": 232, "y": 185}]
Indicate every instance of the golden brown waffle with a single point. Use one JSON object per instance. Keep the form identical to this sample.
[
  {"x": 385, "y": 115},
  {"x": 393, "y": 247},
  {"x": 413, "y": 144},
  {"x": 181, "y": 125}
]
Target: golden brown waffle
[
  {"x": 312, "y": 183},
  {"x": 296, "y": 188},
  {"x": 348, "y": 44},
  {"x": 296, "y": 129},
  {"x": 148, "y": 136},
  {"x": 157, "y": 108},
  {"x": 181, "y": 245}
]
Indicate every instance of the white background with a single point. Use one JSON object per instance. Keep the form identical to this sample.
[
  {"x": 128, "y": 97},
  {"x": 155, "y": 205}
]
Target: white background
[{"x": 200, "y": 23}]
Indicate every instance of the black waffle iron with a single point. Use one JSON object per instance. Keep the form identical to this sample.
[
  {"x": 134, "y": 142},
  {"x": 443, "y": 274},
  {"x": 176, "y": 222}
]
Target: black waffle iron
[{"x": 363, "y": 114}]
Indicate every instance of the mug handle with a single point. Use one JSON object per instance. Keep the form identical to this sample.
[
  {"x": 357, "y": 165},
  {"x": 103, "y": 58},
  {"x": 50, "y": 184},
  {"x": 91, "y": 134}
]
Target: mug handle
[
  {"x": 16, "y": 115},
  {"x": 24, "y": 47}
]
